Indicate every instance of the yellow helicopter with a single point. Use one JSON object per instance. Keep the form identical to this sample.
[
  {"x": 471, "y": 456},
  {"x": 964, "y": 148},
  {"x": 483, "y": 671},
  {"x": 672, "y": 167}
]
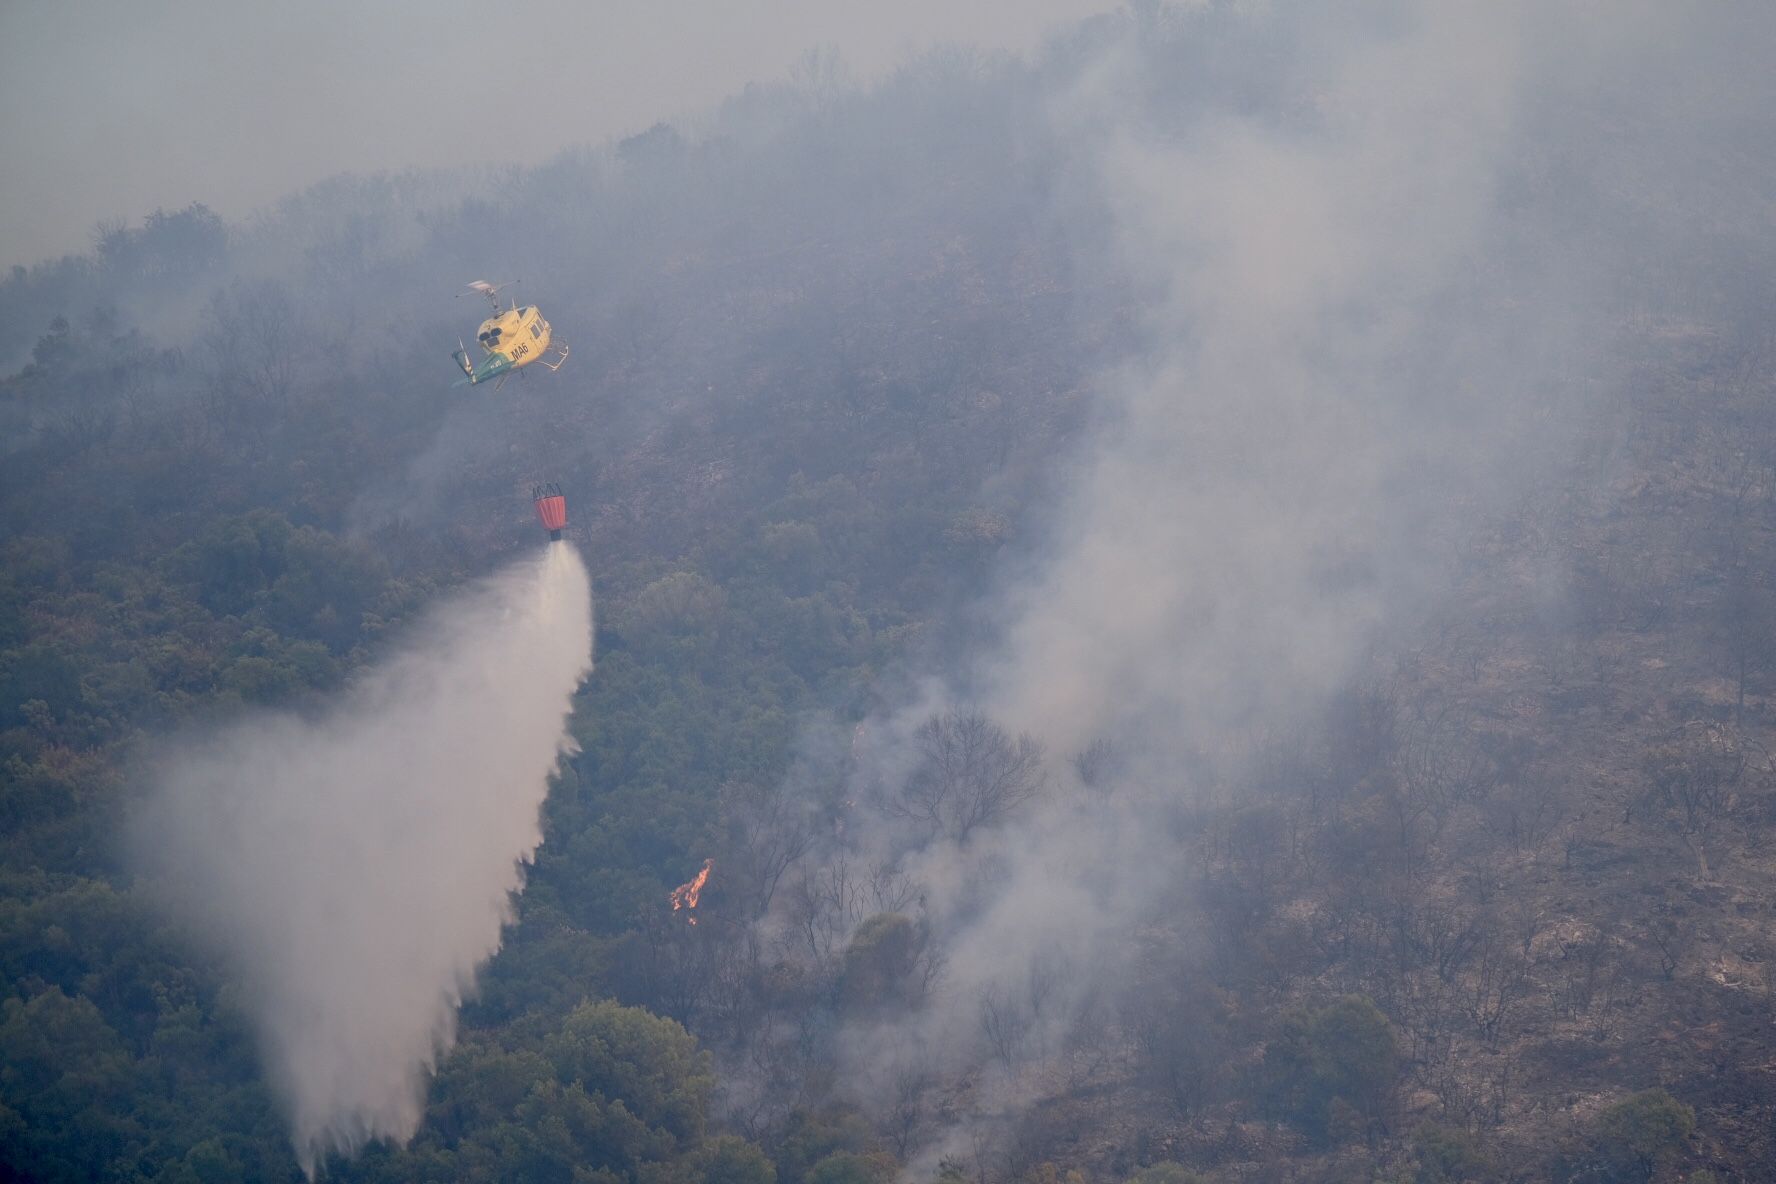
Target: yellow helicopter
[{"x": 510, "y": 338}]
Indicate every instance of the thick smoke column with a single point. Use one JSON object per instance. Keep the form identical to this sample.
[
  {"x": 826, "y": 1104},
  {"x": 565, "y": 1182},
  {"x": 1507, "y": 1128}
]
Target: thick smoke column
[
  {"x": 1323, "y": 381},
  {"x": 355, "y": 870},
  {"x": 1376, "y": 265}
]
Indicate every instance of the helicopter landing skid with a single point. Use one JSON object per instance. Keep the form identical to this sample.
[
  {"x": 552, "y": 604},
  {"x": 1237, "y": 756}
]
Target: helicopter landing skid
[{"x": 557, "y": 363}]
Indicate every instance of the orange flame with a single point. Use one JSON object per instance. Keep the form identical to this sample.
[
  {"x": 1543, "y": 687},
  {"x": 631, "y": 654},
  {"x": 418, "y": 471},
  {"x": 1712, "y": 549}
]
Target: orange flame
[{"x": 685, "y": 895}]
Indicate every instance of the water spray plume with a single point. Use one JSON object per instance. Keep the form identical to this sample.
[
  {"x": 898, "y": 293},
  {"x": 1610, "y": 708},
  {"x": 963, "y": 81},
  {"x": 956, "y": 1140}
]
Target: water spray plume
[{"x": 354, "y": 870}]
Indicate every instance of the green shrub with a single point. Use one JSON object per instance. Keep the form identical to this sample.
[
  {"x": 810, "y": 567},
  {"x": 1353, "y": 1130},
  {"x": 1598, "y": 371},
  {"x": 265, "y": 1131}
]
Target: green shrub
[
  {"x": 848, "y": 1167},
  {"x": 1642, "y": 1132},
  {"x": 1331, "y": 1071},
  {"x": 879, "y": 962},
  {"x": 729, "y": 1159},
  {"x": 1166, "y": 1172},
  {"x": 1447, "y": 1155}
]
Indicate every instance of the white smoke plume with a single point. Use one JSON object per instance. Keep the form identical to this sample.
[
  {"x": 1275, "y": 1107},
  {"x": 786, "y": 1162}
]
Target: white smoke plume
[
  {"x": 354, "y": 870},
  {"x": 1326, "y": 381},
  {"x": 1367, "y": 318}
]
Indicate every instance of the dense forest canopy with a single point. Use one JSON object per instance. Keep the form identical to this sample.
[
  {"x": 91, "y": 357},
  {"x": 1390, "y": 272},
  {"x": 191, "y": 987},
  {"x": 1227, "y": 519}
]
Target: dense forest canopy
[{"x": 1206, "y": 593}]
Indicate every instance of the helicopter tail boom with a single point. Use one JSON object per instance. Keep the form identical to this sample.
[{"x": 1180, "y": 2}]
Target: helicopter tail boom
[{"x": 492, "y": 366}]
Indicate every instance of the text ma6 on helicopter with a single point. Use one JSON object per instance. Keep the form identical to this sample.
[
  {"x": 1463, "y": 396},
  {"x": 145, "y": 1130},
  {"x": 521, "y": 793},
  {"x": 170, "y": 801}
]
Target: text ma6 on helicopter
[{"x": 511, "y": 338}]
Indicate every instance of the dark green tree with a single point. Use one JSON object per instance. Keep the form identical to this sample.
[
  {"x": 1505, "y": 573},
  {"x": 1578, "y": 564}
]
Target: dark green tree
[
  {"x": 879, "y": 963},
  {"x": 729, "y": 1159},
  {"x": 1641, "y": 1133},
  {"x": 1448, "y": 1155},
  {"x": 1333, "y": 1071}
]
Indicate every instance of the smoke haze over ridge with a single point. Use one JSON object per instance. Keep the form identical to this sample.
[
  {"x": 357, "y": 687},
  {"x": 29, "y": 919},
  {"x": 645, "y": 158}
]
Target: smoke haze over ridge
[
  {"x": 1164, "y": 394},
  {"x": 1369, "y": 318},
  {"x": 234, "y": 107},
  {"x": 1314, "y": 352},
  {"x": 355, "y": 870}
]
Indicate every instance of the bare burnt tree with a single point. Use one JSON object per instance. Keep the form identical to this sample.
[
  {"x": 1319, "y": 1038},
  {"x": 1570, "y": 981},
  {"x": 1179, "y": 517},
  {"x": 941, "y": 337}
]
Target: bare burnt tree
[
  {"x": 890, "y": 890},
  {"x": 970, "y": 774},
  {"x": 1361, "y": 731},
  {"x": 1495, "y": 984},
  {"x": 1438, "y": 768},
  {"x": 1182, "y": 1044},
  {"x": 1086, "y": 1044},
  {"x": 1585, "y": 959},
  {"x": 739, "y": 1001},
  {"x": 1047, "y": 972},
  {"x": 1436, "y": 935},
  {"x": 253, "y": 344},
  {"x": 1017, "y": 1018},
  {"x": 769, "y": 833},
  {"x": 1099, "y": 764},
  {"x": 1524, "y": 813},
  {"x": 1672, "y": 940},
  {"x": 824, "y": 904},
  {"x": 912, "y": 1079},
  {"x": 1005, "y": 1024},
  {"x": 1450, "y": 761},
  {"x": 251, "y": 351},
  {"x": 1179, "y": 1024},
  {"x": 71, "y": 431},
  {"x": 1747, "y": 611},
  {"x": 1693, "y": 776},
  {"x": 677, "y": 968}
]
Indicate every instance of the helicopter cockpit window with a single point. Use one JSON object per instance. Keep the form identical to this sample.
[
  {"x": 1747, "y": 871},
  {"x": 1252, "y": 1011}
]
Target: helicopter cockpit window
[{"x": 536, "y": 329}]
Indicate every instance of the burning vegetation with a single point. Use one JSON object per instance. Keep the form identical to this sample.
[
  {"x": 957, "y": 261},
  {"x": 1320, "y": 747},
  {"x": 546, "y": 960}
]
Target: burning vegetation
[{"x": 685, "y": 895}]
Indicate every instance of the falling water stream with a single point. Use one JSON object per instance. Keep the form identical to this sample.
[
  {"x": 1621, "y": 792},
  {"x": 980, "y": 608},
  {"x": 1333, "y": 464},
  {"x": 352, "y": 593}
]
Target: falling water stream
[{"x": 354, "y": 869}]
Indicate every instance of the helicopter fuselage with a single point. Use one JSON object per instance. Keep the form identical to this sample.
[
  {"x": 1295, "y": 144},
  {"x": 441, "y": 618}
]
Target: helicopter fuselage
[
  {"x": 509, "y": 339},
  {"x": 520, "y": 335}
]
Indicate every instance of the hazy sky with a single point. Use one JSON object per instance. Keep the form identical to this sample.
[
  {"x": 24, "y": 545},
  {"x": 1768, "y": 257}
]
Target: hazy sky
[{"x": 111, "y": 109}]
